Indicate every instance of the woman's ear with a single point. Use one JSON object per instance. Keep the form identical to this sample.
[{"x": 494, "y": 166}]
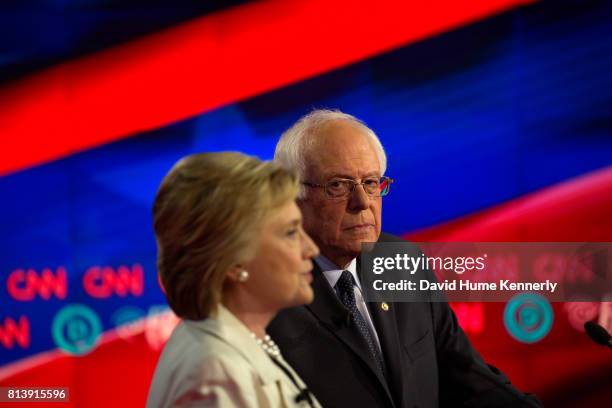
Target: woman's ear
[{"x": 238, "y": 274}]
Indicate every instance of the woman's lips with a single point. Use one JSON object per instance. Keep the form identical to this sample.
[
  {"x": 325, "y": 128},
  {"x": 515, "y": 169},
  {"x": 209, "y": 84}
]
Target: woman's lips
[{"x": 308, "y": 276}]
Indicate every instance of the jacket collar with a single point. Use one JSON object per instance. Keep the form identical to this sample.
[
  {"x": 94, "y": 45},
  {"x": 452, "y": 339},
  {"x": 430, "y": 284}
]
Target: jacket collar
[
  {"x": 332, "y": 272},
  {"x": 230, "y": 330},
  {"x": 336, "y": 318}
]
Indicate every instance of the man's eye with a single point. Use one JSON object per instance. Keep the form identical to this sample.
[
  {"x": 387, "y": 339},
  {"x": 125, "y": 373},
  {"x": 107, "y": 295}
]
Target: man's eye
[
  {"x": 372, "y": 182},
  {"x": 335, "y": 184}
]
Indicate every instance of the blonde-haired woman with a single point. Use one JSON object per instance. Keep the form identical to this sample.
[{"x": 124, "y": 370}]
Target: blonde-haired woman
[{"x": 231, "y": 254}]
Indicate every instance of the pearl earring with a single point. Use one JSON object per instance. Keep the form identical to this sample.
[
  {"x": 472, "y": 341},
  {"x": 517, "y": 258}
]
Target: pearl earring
[{"x": 243, "y": 275}]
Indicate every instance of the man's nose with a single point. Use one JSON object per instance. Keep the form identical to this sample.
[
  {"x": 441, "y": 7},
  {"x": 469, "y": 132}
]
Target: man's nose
[{"x": 359, "y": 199}]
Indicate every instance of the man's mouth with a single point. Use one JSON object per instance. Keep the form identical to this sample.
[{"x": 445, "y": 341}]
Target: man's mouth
[{"x": 360, "y": 228}]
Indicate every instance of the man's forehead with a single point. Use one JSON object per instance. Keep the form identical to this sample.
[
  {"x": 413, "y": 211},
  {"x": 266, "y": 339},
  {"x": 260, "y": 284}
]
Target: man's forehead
[
  {"x": 337, "y": 130},
  {"x": 341, "y": 149},
  {"x": 338, "y": 136}
]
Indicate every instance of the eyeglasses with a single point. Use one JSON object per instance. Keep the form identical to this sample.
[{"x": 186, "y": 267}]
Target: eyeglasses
[{"x": 342, "y": 188}]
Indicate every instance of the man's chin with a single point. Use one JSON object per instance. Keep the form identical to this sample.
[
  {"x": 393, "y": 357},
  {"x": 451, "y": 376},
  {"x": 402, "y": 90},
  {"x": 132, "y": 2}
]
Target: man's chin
[
  {"x": 355, "y": 246},
  {"x": 356, "y": 238}
]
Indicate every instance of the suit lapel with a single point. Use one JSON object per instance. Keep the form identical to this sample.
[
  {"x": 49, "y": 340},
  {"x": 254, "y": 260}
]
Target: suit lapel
[
  {"x": 386, "y": 328},
  {"x": 336, "y": 318},
  {"x": 385, "y": 322}
]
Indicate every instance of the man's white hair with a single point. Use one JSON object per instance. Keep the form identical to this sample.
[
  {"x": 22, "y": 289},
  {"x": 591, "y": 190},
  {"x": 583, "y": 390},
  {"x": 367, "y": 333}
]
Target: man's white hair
[{"x": 292, "y": 145}]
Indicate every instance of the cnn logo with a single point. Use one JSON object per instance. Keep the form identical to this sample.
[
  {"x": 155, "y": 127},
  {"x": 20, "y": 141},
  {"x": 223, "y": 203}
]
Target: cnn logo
[
  {"x": 102, "y": 282},
  {"x": 27, "y": 284}
]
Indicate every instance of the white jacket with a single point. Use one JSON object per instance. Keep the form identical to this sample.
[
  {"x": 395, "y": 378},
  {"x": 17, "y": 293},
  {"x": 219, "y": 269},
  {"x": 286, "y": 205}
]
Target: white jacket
[{"x": 216, "y": 363}]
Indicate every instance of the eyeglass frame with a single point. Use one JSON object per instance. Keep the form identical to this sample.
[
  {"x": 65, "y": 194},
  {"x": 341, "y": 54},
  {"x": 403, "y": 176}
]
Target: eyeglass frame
[{"x": 352, "y": 190}]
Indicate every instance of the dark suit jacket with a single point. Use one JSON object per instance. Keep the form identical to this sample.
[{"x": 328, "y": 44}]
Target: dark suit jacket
[{"x": 322, "y": 344}]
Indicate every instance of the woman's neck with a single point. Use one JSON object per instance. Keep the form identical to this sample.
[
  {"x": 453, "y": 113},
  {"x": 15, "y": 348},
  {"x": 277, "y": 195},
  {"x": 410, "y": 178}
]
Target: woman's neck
[{"x": 252, "y": 317}]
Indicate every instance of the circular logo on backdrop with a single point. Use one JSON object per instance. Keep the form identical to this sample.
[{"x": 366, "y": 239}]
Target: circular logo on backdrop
[
  {"x": 76, "y": 329},
  {"x": 128, "y": 321},
  {"x": 528, "y": 317}
]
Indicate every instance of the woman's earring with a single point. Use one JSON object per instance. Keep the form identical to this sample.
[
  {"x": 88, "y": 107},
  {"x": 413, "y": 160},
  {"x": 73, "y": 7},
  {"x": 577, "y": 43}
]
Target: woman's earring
[{"x": 243, "y": 275}]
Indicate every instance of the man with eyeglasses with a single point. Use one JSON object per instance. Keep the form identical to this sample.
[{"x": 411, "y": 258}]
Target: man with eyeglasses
[{"x": 356, "y": 354}]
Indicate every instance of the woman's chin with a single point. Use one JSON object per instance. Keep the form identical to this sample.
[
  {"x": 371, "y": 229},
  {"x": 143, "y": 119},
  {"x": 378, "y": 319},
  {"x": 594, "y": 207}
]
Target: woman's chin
[{"x": 305, "y": 296}]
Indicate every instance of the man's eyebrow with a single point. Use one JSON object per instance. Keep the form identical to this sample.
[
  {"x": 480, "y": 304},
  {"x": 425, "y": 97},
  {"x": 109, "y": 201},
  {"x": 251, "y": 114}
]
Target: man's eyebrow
[
  {"x": 340, "y": 175},
  {"x": 350, "y": 177}
]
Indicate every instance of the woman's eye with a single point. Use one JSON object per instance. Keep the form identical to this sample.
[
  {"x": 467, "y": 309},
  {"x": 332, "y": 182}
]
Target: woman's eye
[{"x": 292, "y": 232}]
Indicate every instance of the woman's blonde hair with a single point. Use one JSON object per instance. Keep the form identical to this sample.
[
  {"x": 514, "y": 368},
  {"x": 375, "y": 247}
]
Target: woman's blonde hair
[{"x": 206, "y": 216}]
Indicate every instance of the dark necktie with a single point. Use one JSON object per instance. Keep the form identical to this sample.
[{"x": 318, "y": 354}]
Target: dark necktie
[{"x": 346, "y": 292}]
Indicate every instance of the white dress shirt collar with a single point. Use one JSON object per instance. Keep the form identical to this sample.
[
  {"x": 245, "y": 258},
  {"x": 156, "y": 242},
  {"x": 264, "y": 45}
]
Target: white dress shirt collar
[{"x": 332, "y": 272}]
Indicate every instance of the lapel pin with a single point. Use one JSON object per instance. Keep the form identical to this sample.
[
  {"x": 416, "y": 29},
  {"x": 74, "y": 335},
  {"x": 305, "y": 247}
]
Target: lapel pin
[{"x": 384, "y": 306}]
